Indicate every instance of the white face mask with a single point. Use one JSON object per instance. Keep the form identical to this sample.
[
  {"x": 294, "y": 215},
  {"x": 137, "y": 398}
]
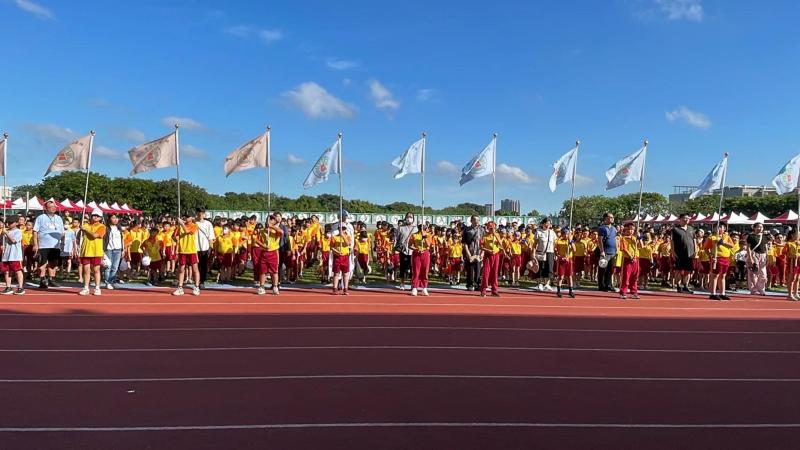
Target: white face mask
[{"x": 409, "y": 221}]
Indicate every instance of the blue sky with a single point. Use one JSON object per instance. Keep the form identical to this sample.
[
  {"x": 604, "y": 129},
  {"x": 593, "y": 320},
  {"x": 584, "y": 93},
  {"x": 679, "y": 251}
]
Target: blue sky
[{"x": 695, "y": 77}]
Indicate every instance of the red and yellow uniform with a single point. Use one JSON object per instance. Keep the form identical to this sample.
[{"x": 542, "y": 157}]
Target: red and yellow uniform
[
  {"x": 340, "y": 246},
  {"x": 629, "y": 250},
  {"x": 187, "y": 244},
  {"x": 152, "y": 248},
  {"x": 723, "y": 253},
  {"x": 455, "y": 252},
  {"x": 269, "y": 242},
  {"x": 491, "y": 244},
  {"x": 225, "y": 250},
  {"x": 92, "y": 245},
  {"x": 565, "y": 250}
]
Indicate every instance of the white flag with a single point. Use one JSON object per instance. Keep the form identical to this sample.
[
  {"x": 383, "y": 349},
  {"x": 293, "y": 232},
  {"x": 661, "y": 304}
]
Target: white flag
[
  {"x": 75, "y": 156},
  {"x": 412, "y": 161},
  {"x": 249, "y": 156},
  {"x": 786, "y": 180},
  {"x": 480, "y": 165},
  {"x": 564, "y": 168},
  {"x": 162, "y": 152},
  {"x": 3, "y": 157},
  {"x": 713, "y": 180},
  {"x": 330, "y": 162},
  {"x": 626, "y": 169}
]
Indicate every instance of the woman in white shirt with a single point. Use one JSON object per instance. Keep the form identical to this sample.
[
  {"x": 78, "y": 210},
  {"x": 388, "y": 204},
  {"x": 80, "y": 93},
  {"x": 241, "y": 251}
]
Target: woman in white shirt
[{"x": 544, "y": 252}]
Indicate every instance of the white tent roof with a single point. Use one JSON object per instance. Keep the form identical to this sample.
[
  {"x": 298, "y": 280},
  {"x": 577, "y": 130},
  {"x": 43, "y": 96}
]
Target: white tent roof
[
  {"x": 759, "y": 218},
  {"x": 739, "y": 219}
]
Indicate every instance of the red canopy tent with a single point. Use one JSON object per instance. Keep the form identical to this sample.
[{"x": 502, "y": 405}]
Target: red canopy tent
[{"x": 787, "y": 217}]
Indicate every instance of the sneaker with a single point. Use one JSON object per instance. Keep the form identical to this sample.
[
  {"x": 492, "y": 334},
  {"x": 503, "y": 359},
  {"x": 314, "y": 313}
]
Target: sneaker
[
  {"x": 483, "y": 294},
  {"x": 43, "y": 284},
  {"x": 346, "y": 292},
  {"x": 148, "y": 284},
  {"x": 495, "y": 294},
  {"x": 19, "y": 291},
  {"x": 202, "y": 286},
  {"x": 97, "y": 291},
  {"x": 275, "y": 291},
  {"x": 196, "y": 291},
  {"x": 84, "y": 291},
  {"x": 635, "y": 296},
  {"x": 7, "y": 291},
  {"x": 402, "y": 287},
  {"x": 414, "y": 292},
  {"x": 425, "y": 292},
  {"x": 558, "y": 294},
  {"x": 335, "y": 292},
  {"x": 550, "y": 288},
  {"x": 540, "y": 288},
  {"x": 178, "y": 291},
  {"x": 724, "y": 297},
  {"x": 713, "y": 297},
  {"x": 261, "y": 290},
  {"x": 571, "y": 295},
  {"x": 622, "y": 296},
  {"x": 110, "y": 286},
  {"x": 52, "y": 283}
]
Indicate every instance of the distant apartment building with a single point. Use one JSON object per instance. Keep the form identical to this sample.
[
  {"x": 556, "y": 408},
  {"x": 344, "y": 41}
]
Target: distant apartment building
[{"x": 510, "y": 205}]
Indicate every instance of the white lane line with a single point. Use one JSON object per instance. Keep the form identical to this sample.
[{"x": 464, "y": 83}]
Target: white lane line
[
  {"x": 398, "y": 376},
  {"x": 390, "y": 347},
  {"x": 400, "y": 425},
  {"x": 349, "y": 328}
]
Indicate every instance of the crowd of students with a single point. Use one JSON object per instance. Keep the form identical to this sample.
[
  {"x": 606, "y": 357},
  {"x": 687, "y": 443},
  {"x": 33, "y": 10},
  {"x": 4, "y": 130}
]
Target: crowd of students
[{"x": 186, "y": 251}]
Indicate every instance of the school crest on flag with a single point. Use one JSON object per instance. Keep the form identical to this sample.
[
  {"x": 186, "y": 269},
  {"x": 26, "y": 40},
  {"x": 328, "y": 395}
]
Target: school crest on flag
[
  {"x": 155, "y": 154},
  {"x": 327, "y": 163},
  {"x": 480, "y": 165},
  {"x": 250, "y": 155},
  {"x": 627, "y": 169},
  {"x": 563, "y": 169},
  {"x": 786, "y": 180},
  {"x": 75, "y": 156}
]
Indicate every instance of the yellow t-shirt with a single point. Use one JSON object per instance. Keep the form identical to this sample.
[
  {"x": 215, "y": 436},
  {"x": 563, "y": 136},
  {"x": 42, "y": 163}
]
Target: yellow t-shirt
[
  {"x": 137, "y": 237},
  {"x": 628, "y": 246},
  {"x": 326, "y": 245},
  {"x": 167, "y": 237},
  {"x": 362, "y": 247},
  {"x": 514, "y": 247},
  {"x": 646, "y": 252},
  {"x": 152, "y": 248},
  {"x": 187, "y": 239},
  {"x": 225, "y": 244},
  {"x": 722, "y": 252},
  {"x": 791, "y": 250},
  {"x": 27, "y": 237},
  {"x": 340, "y": 245},
  {"x": 563, "y": 248},
  {"x": 491, "y": 243},
  {"x": 92, "y": 246},
  {"x": 271, "y": 238},
  {"x": 455, "y": 250},
  {"x": 416, "y": 242}
]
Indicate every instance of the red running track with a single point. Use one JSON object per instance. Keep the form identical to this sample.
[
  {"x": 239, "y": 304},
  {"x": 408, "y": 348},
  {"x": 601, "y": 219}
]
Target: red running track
[{"x": 230, "y": 370}]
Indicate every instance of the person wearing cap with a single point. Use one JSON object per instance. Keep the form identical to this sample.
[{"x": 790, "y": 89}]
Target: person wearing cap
[
  {"x": 421, "y": 244},
  {"x": 490, "y": 246},
  {"x": 48, "y": 234},
  {"x": 91, "y": 254},
  {"x": 12, "y": 254},
  {"x": 187, "y": 254},
  {"x": 343, "y": 224},
  {"x": 565, "y": 251}
]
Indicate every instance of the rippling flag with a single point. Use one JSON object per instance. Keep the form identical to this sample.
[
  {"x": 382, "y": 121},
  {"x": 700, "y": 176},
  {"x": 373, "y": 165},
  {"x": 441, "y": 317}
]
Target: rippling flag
[
  {"x": 250, "y": 155},
  {"x": 564, "y": 168},
  {"x": 786, "y": 180},
  {"x": 714, "y": 180},
  {"x": 157, "y": 154},
  {"x": 411, "y": 161},
  {"x": 329, "y": 162},
  {"x": 627, "y": 169},
  {"x": 480, "y": 165},
  {"x": 75, "y": 156}
]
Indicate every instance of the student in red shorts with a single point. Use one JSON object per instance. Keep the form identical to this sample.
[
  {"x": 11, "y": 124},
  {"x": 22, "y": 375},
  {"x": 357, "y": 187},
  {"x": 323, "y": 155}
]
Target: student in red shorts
[
  {"x": 719, "y": 247},
  {"x": 12, "y": 254},
  {"x": 187, "y": 253},
  {"x": 340, "y": 246},
  {"x": 92, "y": 251},
  {"x": 268, "y": 240},
  {"x": 565, "y": 249},
  {"x": 154, "y": 251}
]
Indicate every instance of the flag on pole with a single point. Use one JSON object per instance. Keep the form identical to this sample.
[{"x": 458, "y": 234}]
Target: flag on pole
[
  {"x": 563, "y": 169},
  {"x": 713, "y": 180},
  {"x": 157, "y": 154},
  {"x": 3, "y": 157},
  {"x": 329, "y": 162},
  {"x": 626, "y": 169},
  {"x": 481, "y": 165},
  {"x": 786, "y": 180},
  {"x": 410, "y": 161},
  {"x": 251, "y": 155},
  {"x": 75, "y": 156}
]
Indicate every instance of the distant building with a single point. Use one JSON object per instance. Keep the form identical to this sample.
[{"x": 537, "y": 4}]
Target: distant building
[
  {"x": 510, "y": 205},
  {"x": 680, "y": 194},
  {"x": 487, "y": 209}
]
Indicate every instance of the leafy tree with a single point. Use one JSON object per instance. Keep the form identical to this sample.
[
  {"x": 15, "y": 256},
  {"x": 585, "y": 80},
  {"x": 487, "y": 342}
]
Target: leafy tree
[{"x": 505, "y": 213}]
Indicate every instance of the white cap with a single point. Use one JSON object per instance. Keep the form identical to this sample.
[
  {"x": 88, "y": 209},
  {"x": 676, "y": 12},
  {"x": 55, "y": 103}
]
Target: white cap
[{"x": 97, "y": 212}]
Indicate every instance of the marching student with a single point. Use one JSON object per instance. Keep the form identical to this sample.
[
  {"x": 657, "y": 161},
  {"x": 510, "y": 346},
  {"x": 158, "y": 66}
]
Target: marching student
[
  {"x": 340, "y": 247},
  {"x": 420, "y": 244},
  {"x": 629, "y": 246},
  {"x": 565, "y": 249},
  {"x": 170, "y": 251},
  {"x": 187, "y": 254},
  {"x": 28, "y": 255},
  {"x": 153, "y": 249},
  {"x": 92, "y": 251},
  {"x": 720, "y": 247},
  {"x": 490, "y": 251},
  {"x": 268, "y": 241},
  {"x": 12, "y": 254}
]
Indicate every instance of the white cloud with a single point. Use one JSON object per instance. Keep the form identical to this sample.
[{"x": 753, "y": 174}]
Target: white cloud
[
  {"x": 192, "y": 151},
  {"x": 382, "y": 97},
  {"x": 317, "y": 103},
  {"x": 49, "y": 132},
  {"x": 691, "y": 10},
  {"x": 447, "y": 168},
  {"x": 36, "y": 9},
  {"x": 686, "y": 115},
  {"x": 340, "y": 64},
  {"x": 105, "y": 152},
  {"x": 266, "y": 36},
  {"x": 185, "y": 122},
  {"x": 294, "y": 160},
  {"x": 514, "y": 173},
  {"x": 583, "y": 180},
  {"x": 131, "y": 134},
  {"x": 427, "y": 94}
]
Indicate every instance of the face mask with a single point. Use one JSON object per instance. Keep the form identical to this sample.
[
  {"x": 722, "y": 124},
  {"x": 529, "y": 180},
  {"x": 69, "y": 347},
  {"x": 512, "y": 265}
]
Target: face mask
[{"x": 409, "y": 221}]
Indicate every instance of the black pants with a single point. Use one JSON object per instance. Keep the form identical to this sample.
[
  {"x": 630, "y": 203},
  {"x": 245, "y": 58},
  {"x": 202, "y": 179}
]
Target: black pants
[
  {"x": 405, "y": 266},
  {"x": 202, "y": 265},
  {"x": 604, "y": 282},
  {"x": 473, "y": 273}
]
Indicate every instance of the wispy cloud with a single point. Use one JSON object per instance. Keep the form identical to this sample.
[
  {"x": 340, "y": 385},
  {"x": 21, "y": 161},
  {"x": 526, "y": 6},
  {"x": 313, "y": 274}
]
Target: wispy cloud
[
  {"x": 317, "y": 103},
  {"x": 691, "y": 10},
  {"x": 265, "y": 35},
  {"x": 130, "y": 134},
  {"x": 47, "y": 132},
  {"x": 294, "y": 160},
  {"x": 105, "y": 152},
  {"x": 583, "y": 180},
  {"x": 184, "y": 122},
  {"x": 686, "y": 115},
  {"x": 427, "y": 94},
  {"x": 382, "y": 97},
  {"x": 192, "y": 151},
  {"x": 446, "y": 168},
  {"x": 514, "y": 173},
  {"x": 340, "y": 64},
  {"x": 36, "y": 9}
]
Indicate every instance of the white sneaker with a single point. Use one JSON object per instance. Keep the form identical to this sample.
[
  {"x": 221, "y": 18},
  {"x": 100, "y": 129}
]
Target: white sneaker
[
  {"x": 425, "y": 292},
  {"x": 97, "y": 291},
  {"x": 402, "y": 287},
  {"x": 261, "y": 290},
  {"x": 549, "y": 288},
  {"x": 540, "y": 288},
  {"x": 275, "y": 291},
  {"x": 109, "y": 286},
  {"x": 196, "y": 291},
  {"x": 178, "y": 291},
  {"x": 84, "y": 291},
  {"x": 414, "y": 292}
]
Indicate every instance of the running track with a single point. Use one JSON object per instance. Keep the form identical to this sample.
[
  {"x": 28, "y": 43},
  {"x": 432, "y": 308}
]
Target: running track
[{"x": 377, "y": 369}]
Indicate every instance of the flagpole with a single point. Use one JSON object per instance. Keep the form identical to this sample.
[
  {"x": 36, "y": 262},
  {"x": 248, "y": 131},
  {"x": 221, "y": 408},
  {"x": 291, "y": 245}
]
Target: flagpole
[
  {"x": 178, "y": 168},
  {"x": 641, "y": 188},
  {"x": 5, "y": 164},
  {"x": 339, "y": 163},
  {"x": 88, "y": 168},
  {"x": 721, "y": 197},
  {"x": 574, "y": 172},
  {"x": 494, "y": 176},
  {"x": 269, "y": 172},
  {"x": 424, "y": 141}
]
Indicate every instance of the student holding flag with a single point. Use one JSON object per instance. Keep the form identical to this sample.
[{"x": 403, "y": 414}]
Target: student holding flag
[
  {"x": 187, "y": 254},
  {"x": 92, "y": 234},
  {"x": 490, "y": 246},
  {"x": 720, "y": 246}
]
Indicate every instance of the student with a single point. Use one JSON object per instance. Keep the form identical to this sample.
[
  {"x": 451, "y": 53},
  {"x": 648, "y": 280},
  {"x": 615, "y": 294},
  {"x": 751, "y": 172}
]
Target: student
[
  {"x": 340, "y": 246},
  {"x": 514, "y": 249},
  {"x": 137, "y": 236},
  {"x": 154, "y": 249},
  {"x": 629, "y": 246},
  {"x": 362, "y": 254},
  {"x": 565, "y": 249},
  {"x": 187, "y": 254},
  {"x": 170, "y": 250},
  {"x": 69, "y": 248},
  {"x": 225, "y": 250},
  {"x": 791, "y": 252},
  {"x": 719, "y": 247},
  {"x": 92, "y": 234},
  {"x": 646, "y": 258},
  {"x": 12, "y": 254},
  {"x": 490, "y": 249},
  {"x": 325, "y": 249},
  {"x": 268, "y": 240},
  {"x": 420, "y": 244},
  {"x": 455, "y": 253}
]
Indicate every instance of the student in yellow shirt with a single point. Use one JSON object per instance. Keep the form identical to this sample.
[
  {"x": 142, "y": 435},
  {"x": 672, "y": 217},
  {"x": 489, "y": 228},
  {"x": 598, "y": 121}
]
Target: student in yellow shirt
[
  {"x": 646, "y": 259},
  {"x": 579, "y": 260},
  {"x": 421, "y": 243},
  {"x": 168, "y": 243},
  {"x": 490, "y": 246},
  {"x": 720, "y": 248},
  {"x": 325, "y": 251},
  {"x": 28, "y": 255},
  {"x": 187, "y": 253},
  {"x": 225, "y": 251},
  {"x": 514, "y": 251},
  {"x": 565, "y": 249},
  {"x": 268, "y": 240},
  {"x": 792, "y": 252},
  {"x": 362, "y": 248},
  {"x": 455, "y": 251},
  {"x": 340, "y": 246},
  {"x": 629, "y": 245},
  {"x": 92, "y": 251},
  {"x": 137, "y": 236},
  {"x": 154, "y": 249}
]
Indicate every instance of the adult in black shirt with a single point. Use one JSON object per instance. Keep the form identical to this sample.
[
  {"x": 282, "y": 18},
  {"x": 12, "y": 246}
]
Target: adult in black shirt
[{"x": 683, "y": 250}]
